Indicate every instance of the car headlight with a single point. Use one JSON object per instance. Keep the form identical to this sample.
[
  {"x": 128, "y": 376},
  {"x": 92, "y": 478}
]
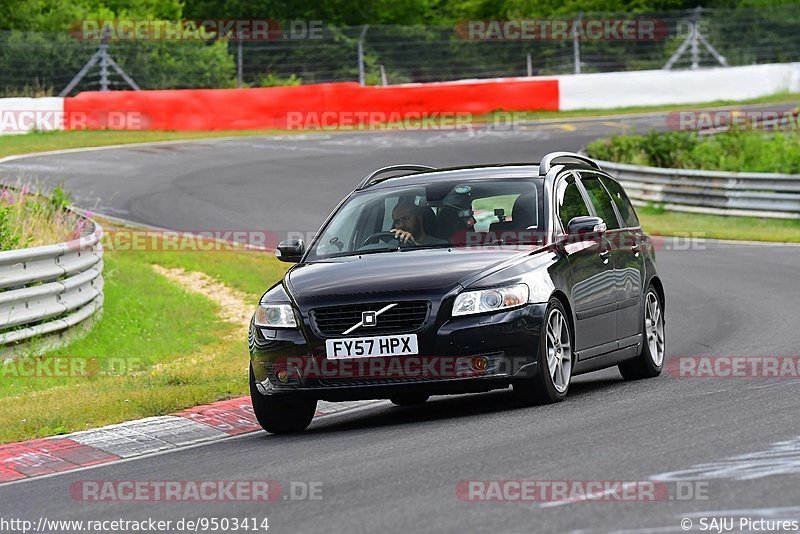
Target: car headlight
[
  {"x": 275, "y": 316},
  {"x": 488, "y": 300}
]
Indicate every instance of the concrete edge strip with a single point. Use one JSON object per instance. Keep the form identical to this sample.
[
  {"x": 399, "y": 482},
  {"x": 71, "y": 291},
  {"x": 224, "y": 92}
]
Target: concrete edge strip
[{"x": 143, "y": 437}]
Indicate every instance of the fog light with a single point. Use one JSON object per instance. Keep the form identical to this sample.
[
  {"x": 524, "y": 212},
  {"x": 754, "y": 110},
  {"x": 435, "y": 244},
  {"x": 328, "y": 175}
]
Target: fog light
[
  {"x": 479, "y": 363},
  {"x": 283, "y": 376}
]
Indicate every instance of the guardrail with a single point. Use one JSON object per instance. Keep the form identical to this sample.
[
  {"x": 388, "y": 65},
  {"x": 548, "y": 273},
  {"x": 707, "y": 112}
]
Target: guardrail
[
  {"x": 49, "y": 289},
  {"x": 714, "y": 192}
]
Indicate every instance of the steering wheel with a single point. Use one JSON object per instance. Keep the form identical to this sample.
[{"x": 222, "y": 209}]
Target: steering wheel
[{"x": 379, "y": 236}]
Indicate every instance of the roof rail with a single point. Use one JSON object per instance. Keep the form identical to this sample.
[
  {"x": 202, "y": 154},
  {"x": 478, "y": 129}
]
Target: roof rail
[
  {"x": 371, "y": 179},
  {"x": 549, "y": 159}
]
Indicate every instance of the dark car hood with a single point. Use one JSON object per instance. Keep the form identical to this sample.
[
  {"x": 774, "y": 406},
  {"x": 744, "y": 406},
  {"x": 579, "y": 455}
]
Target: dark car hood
[{"x": 428, "y": 271}]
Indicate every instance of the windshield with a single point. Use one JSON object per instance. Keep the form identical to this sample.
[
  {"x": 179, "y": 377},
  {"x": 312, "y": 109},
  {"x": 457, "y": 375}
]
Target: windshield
[{"x": 442, "y": 214}]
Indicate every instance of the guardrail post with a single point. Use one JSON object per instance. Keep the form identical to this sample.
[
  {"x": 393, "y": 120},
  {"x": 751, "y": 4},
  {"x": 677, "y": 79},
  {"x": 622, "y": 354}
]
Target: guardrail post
[
  {"x": 361, "y": 76},
  {"x": 239, "y": 64},
  {"x": 694, "y": 39},
  {"x": 576, "y": 43}
]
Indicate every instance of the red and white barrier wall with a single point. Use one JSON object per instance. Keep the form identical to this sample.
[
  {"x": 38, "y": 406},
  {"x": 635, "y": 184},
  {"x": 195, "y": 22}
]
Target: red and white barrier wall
[
  {"x": 662, "y": 87},
  {"x": 21, "y": 115},
  {"x": 292, "y": 107},
  {"x": 337, "y": 103}
]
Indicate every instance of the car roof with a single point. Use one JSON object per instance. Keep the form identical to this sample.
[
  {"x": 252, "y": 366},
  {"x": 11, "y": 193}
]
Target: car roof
[
  {"x": 420, "y": 174},
  {"x": 474, "y": 172}
]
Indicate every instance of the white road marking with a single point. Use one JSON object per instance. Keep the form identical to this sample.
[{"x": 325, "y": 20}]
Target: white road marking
[{"x": 781, "y": 458}]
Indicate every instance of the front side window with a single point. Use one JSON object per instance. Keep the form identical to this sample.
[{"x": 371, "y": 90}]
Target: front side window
[
  {"x": 440, "y": 214},
  {"x": 622, "y": 202},
  {"x": 569, "y": 202},
  {"x": 603, "y": 205}
]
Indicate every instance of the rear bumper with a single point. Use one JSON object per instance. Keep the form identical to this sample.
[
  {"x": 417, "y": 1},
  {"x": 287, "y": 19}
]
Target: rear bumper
[{"x": 460, "y": 355}]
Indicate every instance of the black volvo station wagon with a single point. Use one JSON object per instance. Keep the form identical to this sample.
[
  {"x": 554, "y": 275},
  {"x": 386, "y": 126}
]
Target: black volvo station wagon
[{"x": 431, "y": 281}]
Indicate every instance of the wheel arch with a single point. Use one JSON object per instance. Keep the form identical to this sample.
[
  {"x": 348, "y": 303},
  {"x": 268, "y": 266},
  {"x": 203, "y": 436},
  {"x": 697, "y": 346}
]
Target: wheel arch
[
  {"x": 564, "y": 300},
  {"x": 659, "y": 287}
]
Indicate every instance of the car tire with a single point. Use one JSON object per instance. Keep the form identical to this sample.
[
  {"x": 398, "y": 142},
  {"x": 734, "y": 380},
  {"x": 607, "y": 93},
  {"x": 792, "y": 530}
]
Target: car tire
[
  {"x": 281, "y": 416},
  {"x": 409, "y": 399},
  {"x": 650, "y": 361},
  {"x": 554, "y": 356}
]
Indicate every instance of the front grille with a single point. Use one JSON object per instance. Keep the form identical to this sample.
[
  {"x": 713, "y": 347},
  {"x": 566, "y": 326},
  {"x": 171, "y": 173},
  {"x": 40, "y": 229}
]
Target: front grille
[{"x": 404, "y": 318}]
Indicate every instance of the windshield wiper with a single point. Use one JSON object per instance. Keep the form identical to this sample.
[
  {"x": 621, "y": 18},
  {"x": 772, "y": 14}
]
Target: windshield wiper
[{"x": 421, "y": 247}]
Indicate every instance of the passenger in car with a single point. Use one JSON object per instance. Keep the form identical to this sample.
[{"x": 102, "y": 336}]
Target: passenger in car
[{"x": 457, "y": 226}]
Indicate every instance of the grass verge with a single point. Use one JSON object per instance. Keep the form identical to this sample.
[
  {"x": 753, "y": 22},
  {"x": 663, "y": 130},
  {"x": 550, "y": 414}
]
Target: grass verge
[
  {"x": 157, "y": 349},
  {"x": 657, "y": 221}
]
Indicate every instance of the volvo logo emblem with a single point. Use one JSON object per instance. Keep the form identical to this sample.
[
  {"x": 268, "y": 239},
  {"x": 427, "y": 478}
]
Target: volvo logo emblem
[{"x": 369, "y": 318}]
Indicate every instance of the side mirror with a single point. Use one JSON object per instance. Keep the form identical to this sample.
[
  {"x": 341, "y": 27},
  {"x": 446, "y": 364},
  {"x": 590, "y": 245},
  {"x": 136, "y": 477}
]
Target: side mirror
[
  {"x": 586, "y": 225},
  {"x": 290, "y": 251}
]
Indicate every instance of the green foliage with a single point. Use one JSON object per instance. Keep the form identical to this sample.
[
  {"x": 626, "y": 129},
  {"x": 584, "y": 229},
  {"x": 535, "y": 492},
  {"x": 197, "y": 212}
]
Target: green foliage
[
  {"x": 28, "y": 58},
  {"x": 744, "y": 151},
  {"x": 58, "y": 200},
  {"x": 8, "y": 238},
  {"x": 335, "y": 12},
  {"x": 176, "y": 65},
  {"x": 57, "y": 15},
  {"x": 272, "y": 80},
  {"x": 29, "y": 217}
]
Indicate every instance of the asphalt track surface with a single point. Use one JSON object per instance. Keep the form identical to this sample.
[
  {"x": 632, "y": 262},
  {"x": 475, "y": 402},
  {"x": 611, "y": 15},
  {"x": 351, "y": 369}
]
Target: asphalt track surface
[{"x": 386, "y": 468}]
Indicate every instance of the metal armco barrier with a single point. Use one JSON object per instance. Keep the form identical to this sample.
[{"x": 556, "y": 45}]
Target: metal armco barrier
[
  {"x": 49, "y": 289},
  {"x": 714, "y": 192}
]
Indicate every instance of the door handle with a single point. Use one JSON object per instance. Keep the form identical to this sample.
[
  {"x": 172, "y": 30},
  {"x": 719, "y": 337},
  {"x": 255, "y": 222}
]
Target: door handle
[
  {"x": 636, "y": 248},
  {"x": 604, "y": 253}
]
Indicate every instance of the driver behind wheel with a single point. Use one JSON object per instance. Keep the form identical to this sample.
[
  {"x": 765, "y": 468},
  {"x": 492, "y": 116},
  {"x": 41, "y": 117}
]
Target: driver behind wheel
[{"x": 409, "y": 224}]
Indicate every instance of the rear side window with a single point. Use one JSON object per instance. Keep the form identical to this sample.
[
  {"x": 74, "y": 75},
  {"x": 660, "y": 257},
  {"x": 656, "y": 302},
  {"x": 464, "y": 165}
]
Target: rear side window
[
  {"x": 602, "y": 203},
  {"x": 570, "y": 203},
  {"x": 623, "y": 203}
]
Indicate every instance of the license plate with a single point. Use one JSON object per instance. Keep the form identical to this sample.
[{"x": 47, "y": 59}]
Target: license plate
[{"x": 371, "y": 347}]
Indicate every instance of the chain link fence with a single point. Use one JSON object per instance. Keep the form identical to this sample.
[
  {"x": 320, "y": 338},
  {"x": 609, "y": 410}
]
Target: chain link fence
[{"x": 37, "y": 64}]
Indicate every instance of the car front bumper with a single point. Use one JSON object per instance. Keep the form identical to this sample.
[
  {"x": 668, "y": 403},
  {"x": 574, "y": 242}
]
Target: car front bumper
[{"x": 457, "y": 355}]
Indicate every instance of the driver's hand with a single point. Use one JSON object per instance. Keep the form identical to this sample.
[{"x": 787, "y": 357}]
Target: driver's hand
[{"x": 403, "y": 235}]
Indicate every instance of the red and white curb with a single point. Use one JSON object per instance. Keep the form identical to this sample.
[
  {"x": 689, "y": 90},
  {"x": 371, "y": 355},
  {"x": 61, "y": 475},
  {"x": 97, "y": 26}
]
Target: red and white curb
[{"x": 48, "y": 456}]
